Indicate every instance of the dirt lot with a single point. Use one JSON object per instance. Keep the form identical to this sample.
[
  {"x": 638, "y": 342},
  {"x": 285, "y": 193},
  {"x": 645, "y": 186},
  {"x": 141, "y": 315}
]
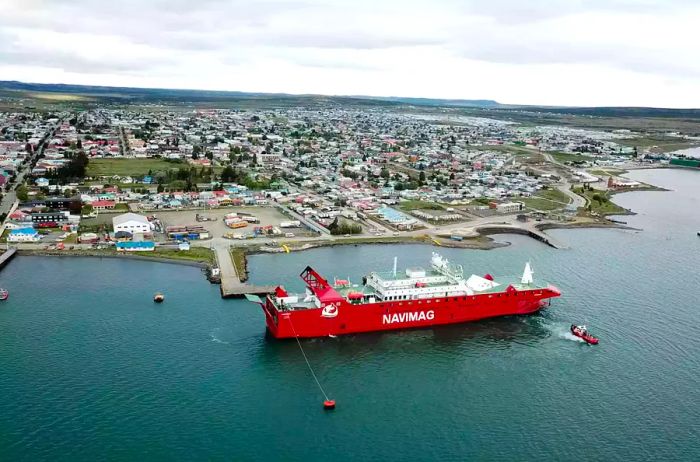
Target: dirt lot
[{"x": 267, "y": 216}]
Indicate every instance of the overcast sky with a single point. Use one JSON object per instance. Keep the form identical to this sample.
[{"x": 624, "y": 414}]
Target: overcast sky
[{"x": 554, "y": 52}]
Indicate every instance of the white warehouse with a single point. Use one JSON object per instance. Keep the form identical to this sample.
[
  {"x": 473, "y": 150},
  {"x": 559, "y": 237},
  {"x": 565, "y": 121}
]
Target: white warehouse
[{"x": 131, "y": 223}]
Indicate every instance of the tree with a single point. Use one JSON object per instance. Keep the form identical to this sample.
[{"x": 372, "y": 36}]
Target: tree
[
  {"x": 421, "y": 177},
  {"x": 161, "y": 188},
  {"x": 22, "y": 193}
]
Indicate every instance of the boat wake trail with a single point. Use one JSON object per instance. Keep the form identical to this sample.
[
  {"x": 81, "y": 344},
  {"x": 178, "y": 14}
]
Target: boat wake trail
[
  {"x": 214, "y": 337},
  {"x": 569, "y": 336}
]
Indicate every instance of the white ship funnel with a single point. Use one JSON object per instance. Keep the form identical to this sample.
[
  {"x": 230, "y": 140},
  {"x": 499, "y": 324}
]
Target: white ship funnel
[{"x": 527, "y": 274}]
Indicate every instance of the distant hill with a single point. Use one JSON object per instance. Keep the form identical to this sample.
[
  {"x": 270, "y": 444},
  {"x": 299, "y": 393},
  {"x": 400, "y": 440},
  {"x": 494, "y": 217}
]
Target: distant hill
[
  {"x": 612, "y": 111},
  {"x": 131, "y": 95},
  {"x": 171, "y": 95},
  {"x": 484, "y": 103}
]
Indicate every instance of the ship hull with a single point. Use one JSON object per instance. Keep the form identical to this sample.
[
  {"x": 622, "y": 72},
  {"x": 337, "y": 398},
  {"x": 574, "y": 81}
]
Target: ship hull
[{"x": 350, "y": 318}]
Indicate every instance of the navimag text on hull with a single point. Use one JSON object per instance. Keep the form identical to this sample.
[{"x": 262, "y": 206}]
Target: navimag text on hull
[{"x": 391, "y": 300}]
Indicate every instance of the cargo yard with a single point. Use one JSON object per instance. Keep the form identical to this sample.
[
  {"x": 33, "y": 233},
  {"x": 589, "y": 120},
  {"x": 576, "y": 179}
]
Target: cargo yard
[{"x": 242, "y": 221}]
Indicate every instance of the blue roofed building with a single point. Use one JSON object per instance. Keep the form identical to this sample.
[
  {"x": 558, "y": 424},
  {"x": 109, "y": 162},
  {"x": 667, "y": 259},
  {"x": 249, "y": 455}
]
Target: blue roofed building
[
  {"x": 24, "y": 235},
  {"x": 143, "y": 246}
]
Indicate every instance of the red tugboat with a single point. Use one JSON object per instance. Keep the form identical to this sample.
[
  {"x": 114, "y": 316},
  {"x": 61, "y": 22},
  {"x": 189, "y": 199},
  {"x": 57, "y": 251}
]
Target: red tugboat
[
  {"x": 391, "y": 300},
  {"x": 582, "y": 333}
]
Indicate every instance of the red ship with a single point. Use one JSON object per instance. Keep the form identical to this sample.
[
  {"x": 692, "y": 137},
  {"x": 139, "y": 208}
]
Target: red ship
[{"x": 386, "y": 301}]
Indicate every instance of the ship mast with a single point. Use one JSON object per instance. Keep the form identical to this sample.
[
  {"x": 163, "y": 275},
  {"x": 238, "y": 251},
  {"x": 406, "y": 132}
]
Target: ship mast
[{"x": 527, "y": 274}]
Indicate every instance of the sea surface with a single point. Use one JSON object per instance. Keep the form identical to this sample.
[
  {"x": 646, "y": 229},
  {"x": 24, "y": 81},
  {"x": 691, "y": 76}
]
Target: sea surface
[{"x": 92, "y": 369}]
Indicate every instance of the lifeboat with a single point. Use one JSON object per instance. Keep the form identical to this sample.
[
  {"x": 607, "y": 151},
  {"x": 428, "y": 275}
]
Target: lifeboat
[
  {"x": 582, "y": 333},
  {"x": 421, "y": 284},
  {"x": 355, "y": 296},
  {"x": 158, "y": 298}
]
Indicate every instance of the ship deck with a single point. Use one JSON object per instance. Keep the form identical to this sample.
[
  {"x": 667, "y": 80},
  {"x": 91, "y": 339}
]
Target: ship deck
[{"x": 502, "y": 285}]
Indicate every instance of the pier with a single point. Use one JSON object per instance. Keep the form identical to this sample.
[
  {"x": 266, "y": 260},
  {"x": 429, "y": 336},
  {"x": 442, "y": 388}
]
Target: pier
[
  {"x": 6, "y": 257},
  {"x": 533, "y": 232},
  {"x": 231, "y": 285}
]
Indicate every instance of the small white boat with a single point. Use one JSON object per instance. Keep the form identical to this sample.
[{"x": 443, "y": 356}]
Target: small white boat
[{"x": 4, "y": 294}]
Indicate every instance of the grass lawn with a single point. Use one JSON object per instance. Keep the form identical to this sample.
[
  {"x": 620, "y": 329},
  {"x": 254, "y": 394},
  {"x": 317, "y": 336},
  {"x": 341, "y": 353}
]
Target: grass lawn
[
  {"x": 71, "y": 239},
  {"x": 419, "y": 205},
  {"x": 604, "y": 172},
  {"x": 201, "y": 254},
  {"x": 524, "y": 154},
  {"x": 547, "y": 199},
  {"x": 600, "y": 202},
  {"x": 568, "y": 157},
  {"x": 662, "y": 143},
  {"x": 239, "y": 261},
  {"x": 129, "y": 167}
]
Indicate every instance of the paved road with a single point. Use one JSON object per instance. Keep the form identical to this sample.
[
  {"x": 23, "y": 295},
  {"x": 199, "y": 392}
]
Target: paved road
[{"x": 11, "y": 196}]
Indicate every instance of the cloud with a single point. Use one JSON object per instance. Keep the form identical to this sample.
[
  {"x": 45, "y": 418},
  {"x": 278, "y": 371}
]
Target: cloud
[{"x": 441, "y": 48}]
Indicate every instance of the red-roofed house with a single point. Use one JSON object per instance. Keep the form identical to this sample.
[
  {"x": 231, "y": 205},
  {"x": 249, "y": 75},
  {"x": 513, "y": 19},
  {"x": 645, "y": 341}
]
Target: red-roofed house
[{"x": 103, "y": 205}]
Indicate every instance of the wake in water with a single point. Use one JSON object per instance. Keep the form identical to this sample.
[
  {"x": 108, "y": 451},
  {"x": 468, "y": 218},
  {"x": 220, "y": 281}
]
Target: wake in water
[
  {"x": 564, "y": 333},
  {"x": 214, "y": 336},
  {"x": 569, "y": 336}
]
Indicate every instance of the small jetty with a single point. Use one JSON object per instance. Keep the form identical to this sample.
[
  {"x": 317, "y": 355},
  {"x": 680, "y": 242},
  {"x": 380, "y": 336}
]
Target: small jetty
[
  {"x": 6, "y": 257},
  {"x": 231, "y": 285},
  {"x": 533, "y": 232}
]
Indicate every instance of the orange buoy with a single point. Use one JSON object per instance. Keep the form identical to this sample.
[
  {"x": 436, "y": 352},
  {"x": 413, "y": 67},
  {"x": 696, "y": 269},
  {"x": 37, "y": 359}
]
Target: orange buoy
[{"x": 329, "y": 404}]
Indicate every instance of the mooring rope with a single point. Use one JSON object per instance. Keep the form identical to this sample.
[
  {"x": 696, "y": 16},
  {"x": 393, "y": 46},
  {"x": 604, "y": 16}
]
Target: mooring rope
[{"x": 296, "y": 336}]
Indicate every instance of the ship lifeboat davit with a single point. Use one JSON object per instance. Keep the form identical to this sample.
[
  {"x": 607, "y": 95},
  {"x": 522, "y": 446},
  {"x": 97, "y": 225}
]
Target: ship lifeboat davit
[
  {"x": 582, "y": 333},
  {"x": 158, "y": 298},
  {"x": 355, "y": 296},
  {"x": 329, "y": 404}
]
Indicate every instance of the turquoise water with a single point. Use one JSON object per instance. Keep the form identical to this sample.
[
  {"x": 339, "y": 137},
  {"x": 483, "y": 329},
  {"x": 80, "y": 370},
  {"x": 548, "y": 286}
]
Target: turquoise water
[{"x": 91, "y": 369}]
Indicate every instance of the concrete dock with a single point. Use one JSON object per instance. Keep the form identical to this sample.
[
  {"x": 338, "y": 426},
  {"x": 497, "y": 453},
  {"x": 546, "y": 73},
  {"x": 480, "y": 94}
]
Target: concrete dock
[
  {"x": 231, "y": 285},
  {"x": 7, "y": 256},
  {"x": 532, "y": 231}
]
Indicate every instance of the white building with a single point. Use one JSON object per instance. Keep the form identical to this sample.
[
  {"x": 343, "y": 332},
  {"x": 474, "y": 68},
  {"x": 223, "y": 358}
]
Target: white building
[
  {"x": 509, "y": 207},
  {"x": 131, "y": 223},
  {"x": 23, "y": 235}
]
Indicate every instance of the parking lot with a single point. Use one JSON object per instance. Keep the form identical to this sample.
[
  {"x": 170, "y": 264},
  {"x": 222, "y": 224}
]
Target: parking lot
[{"x": 268, "y": 216}]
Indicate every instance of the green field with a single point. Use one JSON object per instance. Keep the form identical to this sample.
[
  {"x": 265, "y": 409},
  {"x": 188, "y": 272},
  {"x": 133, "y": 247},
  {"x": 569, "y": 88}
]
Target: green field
[
  {"x": 200, "y": 254},
  {"x": 568, "y": 157},
  {"x": 419, "y": 205},
  {"x": 129, "y": 167},
  {"x": 600, "y": 202},
  {"x": 546, "y": 200},
  {"x": 604, "y": 172},
  {"x": 659, "y": 143},
  {"x": 524, "y": 154}
]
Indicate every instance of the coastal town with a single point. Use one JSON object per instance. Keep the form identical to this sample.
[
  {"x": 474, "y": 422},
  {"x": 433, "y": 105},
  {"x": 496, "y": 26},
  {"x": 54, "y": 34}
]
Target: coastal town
[{"x": 208, "y": 186}]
